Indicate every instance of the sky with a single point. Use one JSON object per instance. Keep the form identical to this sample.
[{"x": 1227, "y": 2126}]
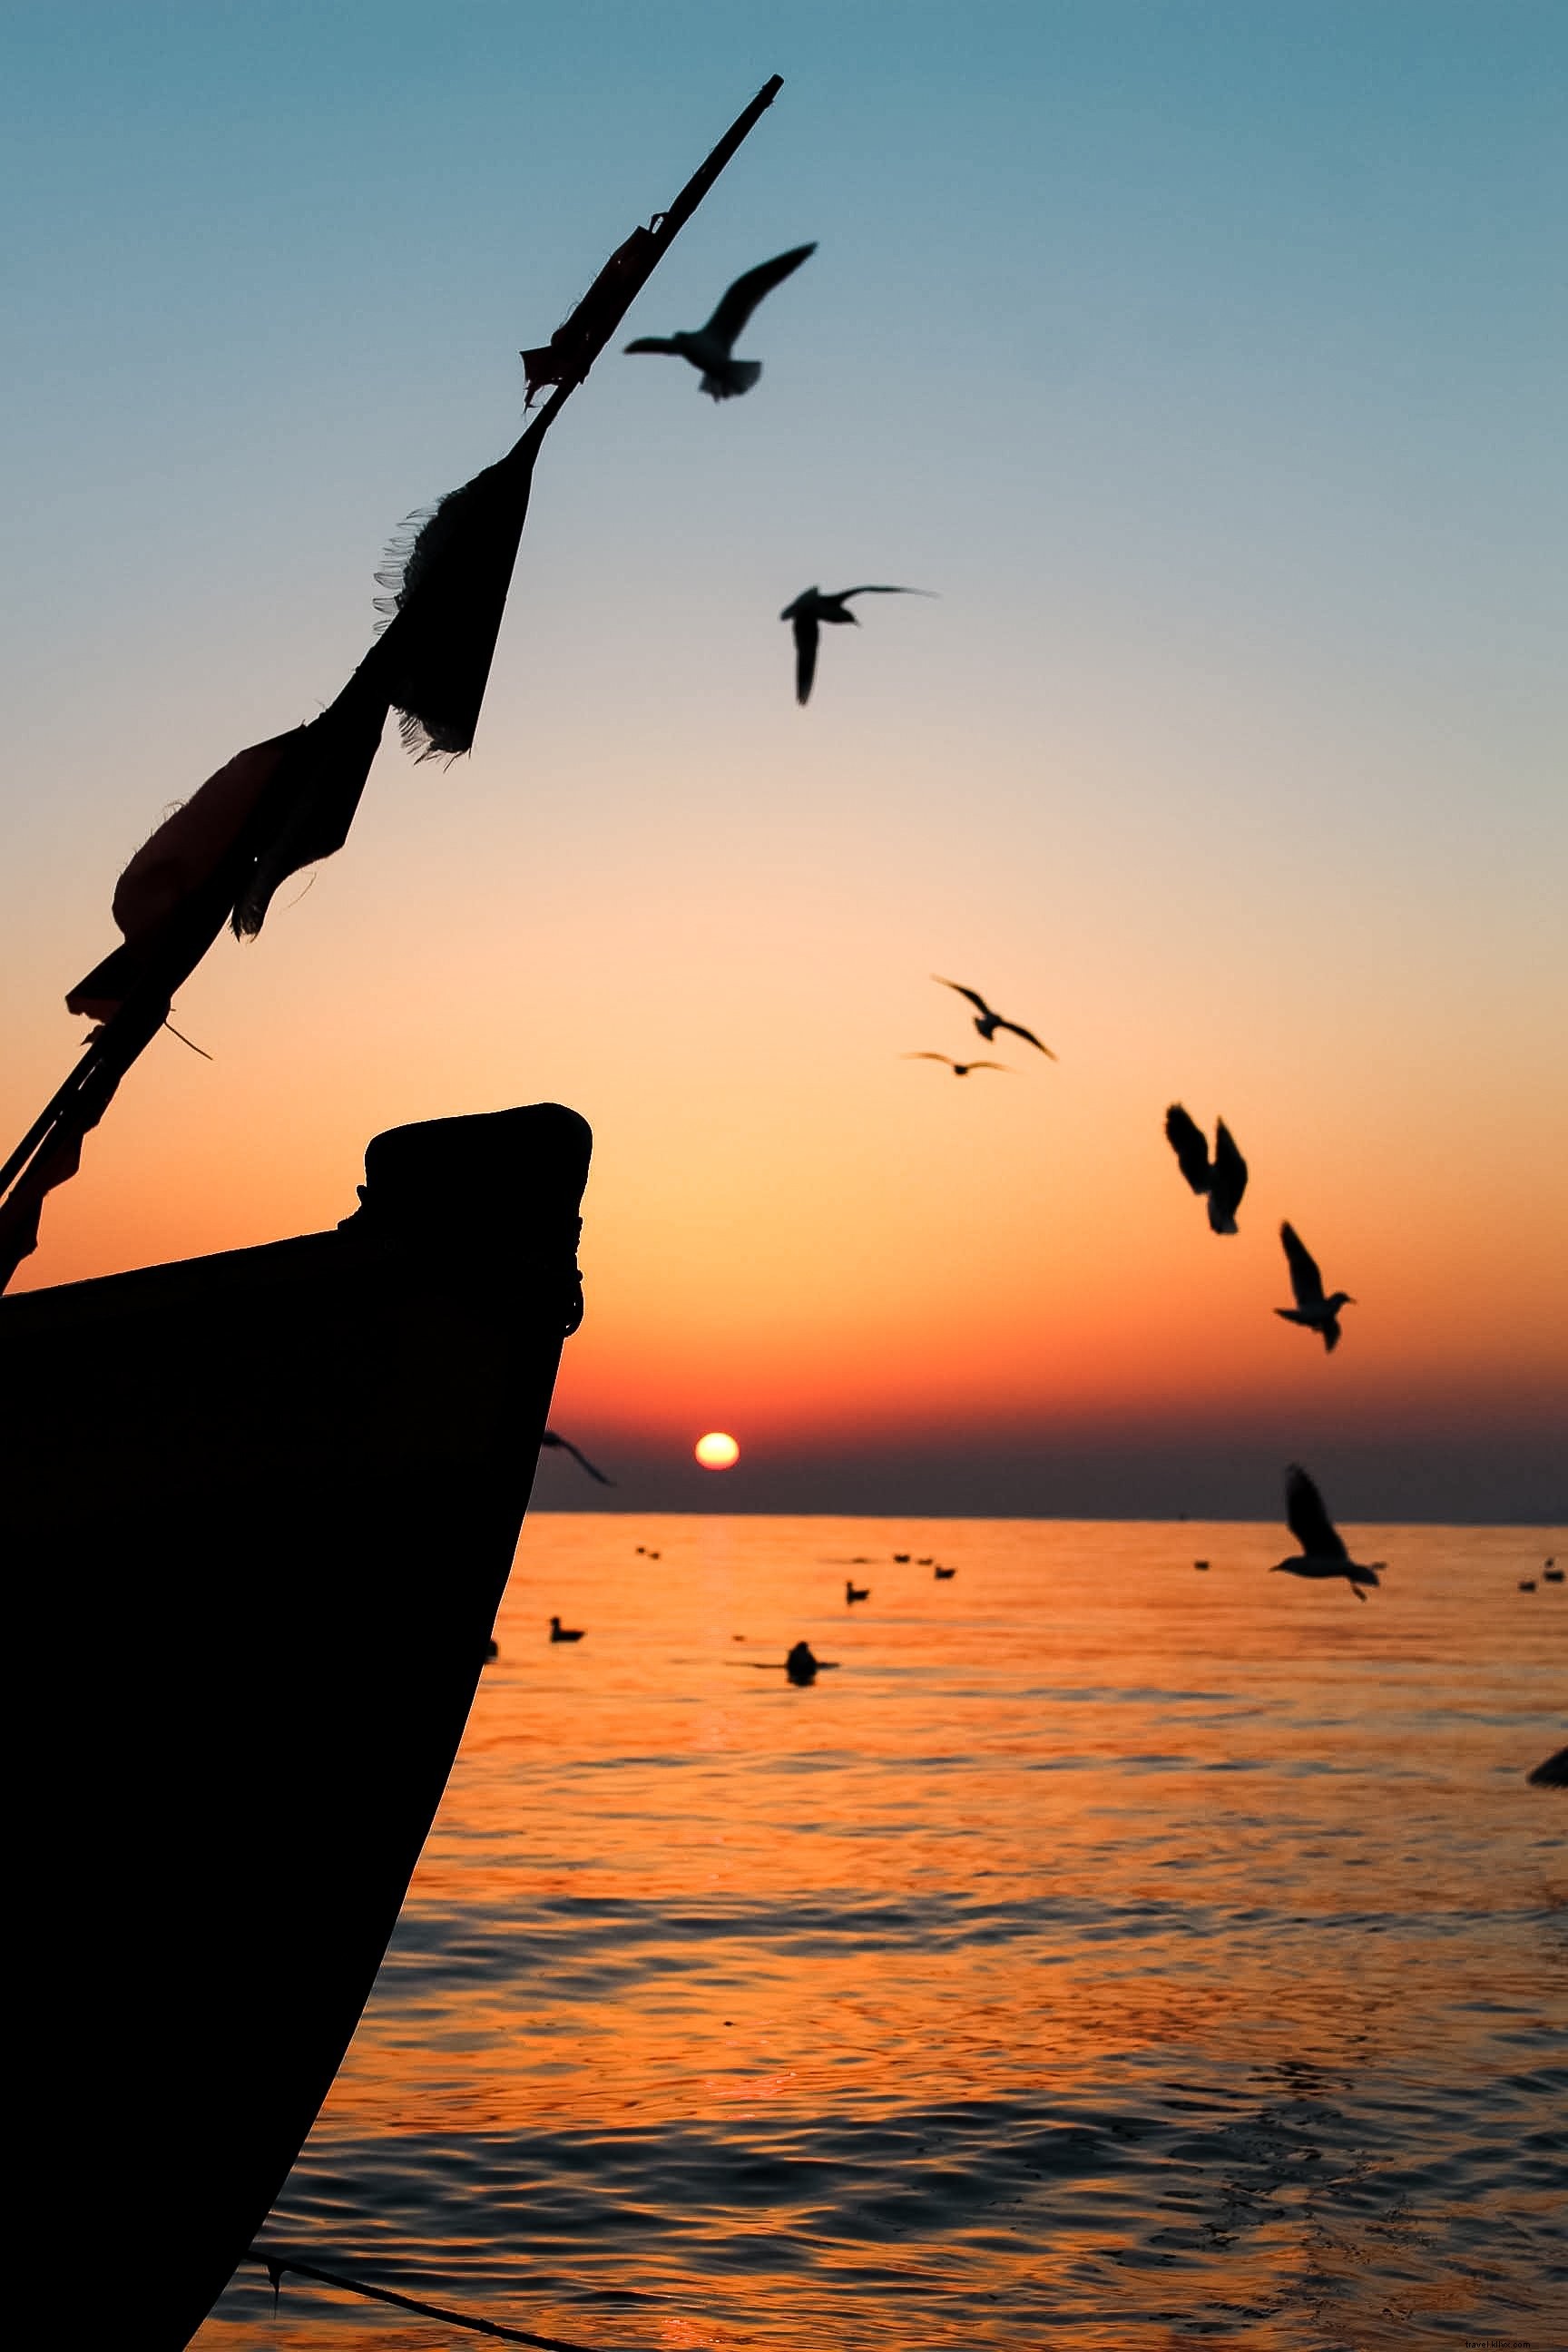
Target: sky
[{"x": 1205, "y": 360}]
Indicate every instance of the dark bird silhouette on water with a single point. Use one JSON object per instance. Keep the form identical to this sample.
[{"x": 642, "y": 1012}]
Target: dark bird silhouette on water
[
  {"x": 944, "y": 1575},
  {"x": 1527, "y": 1584},
  {"x": 1319, "y": 1313},
  {"x": 1551, "y": 1571},
  {"x": 801, "y": 1665},
  {"x": 1322, "y": 1550},
  {"x": 552, "y": 1438},
  {"x": 711, "y": 347},
  {"x": 815, "y": 605},
  {"x": 958, "y": 1070},
  {"x": 1223, "y": 1178},
  {"x": 1553, "y": 1773},
  {"x": 855, "y": 1591},
  {"x": 988, "y": 1023},
  {"x": 559, "y": 1632}
]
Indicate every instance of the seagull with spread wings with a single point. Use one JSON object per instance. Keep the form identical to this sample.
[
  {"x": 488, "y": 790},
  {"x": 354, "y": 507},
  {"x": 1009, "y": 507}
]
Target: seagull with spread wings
[
  {"x": 1223, "y": 1178},
  {"x": 566, "y": 1446},
  {"x": 958, "y": 1070},
  {"x": 1322, "y": 1550},
  {"x": 711, "y": 347},
  {"x": 988, "y": 1023},
  {"x": 815, "y": 605},
  {"x": 1319, "y": 1313}
]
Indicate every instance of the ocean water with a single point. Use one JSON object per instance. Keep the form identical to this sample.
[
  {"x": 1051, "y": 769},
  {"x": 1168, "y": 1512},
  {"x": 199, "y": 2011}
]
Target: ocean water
[{"x": 1106, "y": 1954}]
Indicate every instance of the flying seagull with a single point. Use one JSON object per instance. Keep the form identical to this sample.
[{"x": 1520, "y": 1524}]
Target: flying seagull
[
  {"x": 1318, "y": 1313},
  {"x": 709, "y": 348},
  {"x": 1322, "y": 1551},
  {"x": 811, "y": 608},
  {"x": 1224, "y": 1178},
  {"x": 988, "y": 1023},
  {"x": 566, "y": 1446},
  {"x": 958, "y": 1070}
]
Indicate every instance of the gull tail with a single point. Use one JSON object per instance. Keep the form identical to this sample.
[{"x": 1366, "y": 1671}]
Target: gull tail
[{"x": 735, "y": 376}]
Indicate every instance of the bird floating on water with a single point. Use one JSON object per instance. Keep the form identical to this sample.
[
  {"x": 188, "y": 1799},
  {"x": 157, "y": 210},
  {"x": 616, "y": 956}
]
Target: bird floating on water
[
  {"x": 815, "y": 605},
  {"x": 1527, "y": 1584},
  {"x": 1223, "y": 1178},
  {"x": 958, "y": 1070},
  {"x": 1319, "y": 1313},
  {"x": 1323, "y": 1549},
  {"x": 855, "y": 1591},
  {"x": 944, "y": 1575},
  {"x": 802, "y": 1665},
  {"x": 1551, "y": 1571},
  {"x": 551, "y": 1437},
  {"x": 711, "y": 347},
  {"x": 988, "y": 1023},
  {"x": 559, "y": 1632}
]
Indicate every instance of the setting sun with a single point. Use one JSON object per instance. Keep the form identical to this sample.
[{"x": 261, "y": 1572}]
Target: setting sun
[{"x": 717, "y": 1451}]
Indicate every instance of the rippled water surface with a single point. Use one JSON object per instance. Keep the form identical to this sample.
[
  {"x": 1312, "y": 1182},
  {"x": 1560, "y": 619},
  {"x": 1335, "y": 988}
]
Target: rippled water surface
[{"x": 1107, "y": 1955}]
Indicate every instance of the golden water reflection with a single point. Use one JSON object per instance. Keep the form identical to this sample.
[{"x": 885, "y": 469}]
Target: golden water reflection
[{"x": 1103, "y": 1954}]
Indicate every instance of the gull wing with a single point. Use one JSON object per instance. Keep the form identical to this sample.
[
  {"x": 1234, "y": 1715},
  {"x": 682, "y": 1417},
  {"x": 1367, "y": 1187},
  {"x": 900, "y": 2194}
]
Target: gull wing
[
  {"x": 943, "y": 1058},
  {"x": 566, "y": 1446},
  {"x": 879, "y": 588},
  {"x": 972, "y": 994},
  {"x": 807, "y": 637},
  {"x": 737, "y": 303},
  {"x": 1308, "y": 1521},
  {"x": 1004, "y": 1068},
  {"x": 1228, "y": 1181},
  {"x": 1305, "y": 1280},
  {"x": 1187, "y": 1140},
  {"x": 1028, "y": 1037}
]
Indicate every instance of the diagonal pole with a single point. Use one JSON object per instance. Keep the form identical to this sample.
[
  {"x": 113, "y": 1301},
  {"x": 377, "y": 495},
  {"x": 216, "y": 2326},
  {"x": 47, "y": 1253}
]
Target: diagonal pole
[{"x": 49, "y": 1152}]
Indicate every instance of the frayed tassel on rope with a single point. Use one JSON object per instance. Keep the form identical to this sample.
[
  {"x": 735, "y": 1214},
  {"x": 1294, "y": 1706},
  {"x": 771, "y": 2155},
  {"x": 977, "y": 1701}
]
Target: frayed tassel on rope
[
  {"x": 316, "y": 791},
  {"x": 447, "y": 589}
]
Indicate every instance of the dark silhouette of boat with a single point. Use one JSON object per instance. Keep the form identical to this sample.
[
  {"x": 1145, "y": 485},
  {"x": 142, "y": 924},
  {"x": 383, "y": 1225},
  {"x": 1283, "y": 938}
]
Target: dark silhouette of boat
[{"x": 260, "y": 1509}]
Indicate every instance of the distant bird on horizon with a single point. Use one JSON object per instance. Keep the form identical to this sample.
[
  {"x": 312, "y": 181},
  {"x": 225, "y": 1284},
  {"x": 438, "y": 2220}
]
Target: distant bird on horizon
[
  {"x": 958, "y": 1070},
  {"x": 815, "y": 605},
  {"x": 1312, "y": 1309},
  {"x": 855, "y": 1591},
  {"x": 551, "y": 1437},
  {"x": 1323, "y": 1552},
  {"x": 711, "y": 347},
  {"x": 1223, "y": 1179},
  {"x": 988, "y": 1023},
  {"x": 559, "y": 1632}
]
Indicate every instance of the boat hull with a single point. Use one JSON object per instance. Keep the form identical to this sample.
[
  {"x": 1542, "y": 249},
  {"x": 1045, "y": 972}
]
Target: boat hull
[{"x": 265, "y": 1505}]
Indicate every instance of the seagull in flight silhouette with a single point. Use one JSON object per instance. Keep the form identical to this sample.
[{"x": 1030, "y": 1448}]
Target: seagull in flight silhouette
[
  {"x": 958, "y": 1070},
  {"x": 1322, "y": 1550},
  {"x": 711, "y": 347},
  {"x": 988, "y": 1023},
  {"x": 566, "y": 1446},
  {"x": 1224, "y": 1178},
  {"x": 815, "y": 605},
  {"x": 1318, "y": 1313}
]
